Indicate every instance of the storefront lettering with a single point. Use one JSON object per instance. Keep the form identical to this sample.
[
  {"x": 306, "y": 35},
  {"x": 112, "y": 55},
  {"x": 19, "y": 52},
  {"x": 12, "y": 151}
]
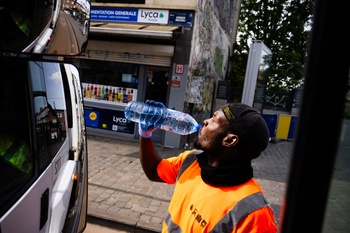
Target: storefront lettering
[
  {"x": 125, "y": 13},
  {"x": 119, "y": 119},
  {"x": 111, "y": 12},
  {"x": 151, "y": 15},
  {"x": 102, "y": 12}
]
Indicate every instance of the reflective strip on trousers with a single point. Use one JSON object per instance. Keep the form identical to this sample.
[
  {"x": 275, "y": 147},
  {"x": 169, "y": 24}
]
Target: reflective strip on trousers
[{"x": 226, "y": 225}]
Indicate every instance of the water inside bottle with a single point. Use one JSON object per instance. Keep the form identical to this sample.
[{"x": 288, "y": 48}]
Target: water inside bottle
[{"x": 166, "y": 119}]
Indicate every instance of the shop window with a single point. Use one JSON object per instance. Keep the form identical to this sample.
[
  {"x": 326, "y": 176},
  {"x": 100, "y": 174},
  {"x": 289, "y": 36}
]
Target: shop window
[{"x": 109, "y": 81}]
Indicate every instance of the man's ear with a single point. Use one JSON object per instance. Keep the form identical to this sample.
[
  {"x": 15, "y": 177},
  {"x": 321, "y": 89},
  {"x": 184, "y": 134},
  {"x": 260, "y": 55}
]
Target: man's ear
[{"x": 230, "y": 140}]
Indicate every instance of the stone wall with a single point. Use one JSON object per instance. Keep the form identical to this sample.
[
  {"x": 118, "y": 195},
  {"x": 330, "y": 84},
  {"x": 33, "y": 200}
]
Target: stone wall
[{"x": 214, "y": 34}]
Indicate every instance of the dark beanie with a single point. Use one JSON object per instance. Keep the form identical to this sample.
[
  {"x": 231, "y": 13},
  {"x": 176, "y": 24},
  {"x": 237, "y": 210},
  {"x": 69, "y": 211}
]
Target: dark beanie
[{"x": 250, "y": 127}]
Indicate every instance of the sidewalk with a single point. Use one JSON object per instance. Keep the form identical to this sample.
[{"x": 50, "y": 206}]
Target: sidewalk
[{"x": 120, "y": 193}]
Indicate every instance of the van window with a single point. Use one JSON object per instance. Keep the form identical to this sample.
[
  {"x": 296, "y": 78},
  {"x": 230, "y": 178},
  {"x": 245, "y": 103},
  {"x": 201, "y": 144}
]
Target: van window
[
  {"x": 16, "y": 154},
  {"x": 22, "y": 28},
  {"x": 50, "y": 110}
]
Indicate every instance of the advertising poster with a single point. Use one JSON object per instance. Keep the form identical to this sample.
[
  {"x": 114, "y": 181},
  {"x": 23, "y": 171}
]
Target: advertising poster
[
  {"x": 91, "y": 117},
  {"x": 107, "y": 119},
  {"x": 195, "y": 90}
]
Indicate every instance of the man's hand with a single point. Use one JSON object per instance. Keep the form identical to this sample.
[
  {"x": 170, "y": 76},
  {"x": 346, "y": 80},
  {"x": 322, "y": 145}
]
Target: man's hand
[{"x": 146, "y": 131}]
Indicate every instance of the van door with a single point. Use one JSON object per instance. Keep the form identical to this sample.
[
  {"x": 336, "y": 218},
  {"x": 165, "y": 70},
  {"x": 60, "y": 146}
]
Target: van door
[
  {"x": 25, "y": 186},
  {"x": 43, "y": 171}
]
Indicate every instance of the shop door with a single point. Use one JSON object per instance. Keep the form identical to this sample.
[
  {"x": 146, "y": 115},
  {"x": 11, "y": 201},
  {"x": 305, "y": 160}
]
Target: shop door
[{"x": 157, "y": 90}]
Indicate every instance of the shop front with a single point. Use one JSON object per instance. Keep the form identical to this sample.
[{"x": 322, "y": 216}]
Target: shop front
[
  {"x": 110, "y": 81},
  {"x": 125, "y": 62}
]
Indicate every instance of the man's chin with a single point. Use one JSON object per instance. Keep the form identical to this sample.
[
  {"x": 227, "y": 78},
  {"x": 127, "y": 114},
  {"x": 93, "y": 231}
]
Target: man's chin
[{"x": 197, "y": 145}]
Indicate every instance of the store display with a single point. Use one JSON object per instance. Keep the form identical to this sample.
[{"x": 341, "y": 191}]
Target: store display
[{"x": 108, "y": 93}]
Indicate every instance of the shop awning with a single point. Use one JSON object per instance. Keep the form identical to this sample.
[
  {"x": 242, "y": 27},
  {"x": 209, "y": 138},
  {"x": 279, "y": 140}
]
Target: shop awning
[
  {"x": 137, "y": 53},
  {"x": 138, "y": 30}
]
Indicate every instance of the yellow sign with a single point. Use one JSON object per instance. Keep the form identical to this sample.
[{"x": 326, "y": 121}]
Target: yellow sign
[{"x": 92, "y": 116}]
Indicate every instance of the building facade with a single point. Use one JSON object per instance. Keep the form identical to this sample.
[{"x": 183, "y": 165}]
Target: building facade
[{"x": 174, "y": 52}]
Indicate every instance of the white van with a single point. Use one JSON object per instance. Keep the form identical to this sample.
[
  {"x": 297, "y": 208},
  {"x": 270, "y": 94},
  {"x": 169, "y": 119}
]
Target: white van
[{"x": 43, "y": 152}]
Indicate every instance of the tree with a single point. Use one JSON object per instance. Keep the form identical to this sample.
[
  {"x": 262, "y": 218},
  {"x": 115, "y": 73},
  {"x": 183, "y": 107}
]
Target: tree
[{"x": 283, "y": 25}]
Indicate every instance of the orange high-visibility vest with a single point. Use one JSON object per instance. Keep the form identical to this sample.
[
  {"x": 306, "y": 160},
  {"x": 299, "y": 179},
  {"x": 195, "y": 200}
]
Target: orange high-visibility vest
[{"x": 200, "y": 207}]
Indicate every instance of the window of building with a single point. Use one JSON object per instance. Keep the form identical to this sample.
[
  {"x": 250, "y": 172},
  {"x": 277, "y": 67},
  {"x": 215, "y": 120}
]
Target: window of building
[{"x": 109, "y": 81}]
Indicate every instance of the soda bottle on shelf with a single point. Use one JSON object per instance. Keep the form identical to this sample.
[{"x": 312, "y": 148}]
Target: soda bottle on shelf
[
  {"x": 161, "y": 117},
  {"x": 120, "y": 95}
]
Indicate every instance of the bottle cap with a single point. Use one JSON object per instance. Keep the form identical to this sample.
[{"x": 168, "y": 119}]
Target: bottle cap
[{"x": 198, "y": 127}]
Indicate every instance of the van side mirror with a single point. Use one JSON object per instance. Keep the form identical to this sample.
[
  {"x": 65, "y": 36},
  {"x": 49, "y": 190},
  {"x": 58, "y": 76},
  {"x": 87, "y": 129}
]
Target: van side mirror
[{"x": 53, "y": 27}]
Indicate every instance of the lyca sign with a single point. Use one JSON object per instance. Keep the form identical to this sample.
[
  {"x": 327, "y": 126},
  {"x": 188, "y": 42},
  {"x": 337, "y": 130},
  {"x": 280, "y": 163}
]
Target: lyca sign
[
  {"x": 120, "y": 120},
  {"x": 153, "y": 16}
]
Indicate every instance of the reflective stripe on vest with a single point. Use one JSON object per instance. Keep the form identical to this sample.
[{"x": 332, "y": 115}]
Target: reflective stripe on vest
[
  {"x": 188, "y": 161},
  {"x": 244, "y": 207},
  {"x": 172, "y": 227}
]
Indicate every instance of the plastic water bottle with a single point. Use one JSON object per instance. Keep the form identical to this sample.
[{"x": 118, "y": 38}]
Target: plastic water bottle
[{"x": 171, "y": 120}]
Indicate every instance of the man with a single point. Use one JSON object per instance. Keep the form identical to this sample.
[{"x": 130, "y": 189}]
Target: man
[{"x": 215, "y": 190}]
